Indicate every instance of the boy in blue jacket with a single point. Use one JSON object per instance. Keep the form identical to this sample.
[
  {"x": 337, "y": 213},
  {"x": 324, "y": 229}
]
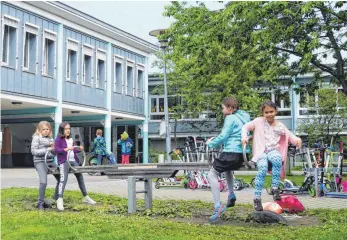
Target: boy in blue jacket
[{"x": 127, "y": 143}]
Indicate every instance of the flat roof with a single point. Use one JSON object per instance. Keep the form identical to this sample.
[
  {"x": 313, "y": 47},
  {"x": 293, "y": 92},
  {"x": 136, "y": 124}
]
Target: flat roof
[{"x": 60, "y": 9}]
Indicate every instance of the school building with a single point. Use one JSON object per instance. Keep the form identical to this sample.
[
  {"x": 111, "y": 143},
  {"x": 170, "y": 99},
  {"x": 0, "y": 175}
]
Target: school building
[
  {"x": 293, "y": 109},
  {"x": 59, "y": 64}
]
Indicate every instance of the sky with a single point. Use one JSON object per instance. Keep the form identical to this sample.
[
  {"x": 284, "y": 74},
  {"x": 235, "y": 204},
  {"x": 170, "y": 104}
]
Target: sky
[
  {"x": 139, "y": 18},
  {"x": 135, "y": 17}
]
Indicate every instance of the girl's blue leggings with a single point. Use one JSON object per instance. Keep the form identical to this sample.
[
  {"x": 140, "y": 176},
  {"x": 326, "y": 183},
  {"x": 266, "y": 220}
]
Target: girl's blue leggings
[{"x": 275, "y": 158}]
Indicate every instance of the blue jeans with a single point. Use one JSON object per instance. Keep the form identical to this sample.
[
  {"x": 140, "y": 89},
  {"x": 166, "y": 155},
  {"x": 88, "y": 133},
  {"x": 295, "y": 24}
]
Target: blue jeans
[
  {"x": 110, "y": 157},
  {"x": 275, "y": 158}
]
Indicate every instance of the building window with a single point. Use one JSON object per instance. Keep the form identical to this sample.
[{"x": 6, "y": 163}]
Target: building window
[
  {"x": 139, "y": 81},
  {"x": 71, "y": 61},
  {"x": 9, "y": 41},
  {"x": 118, "y": 75},
  {"x": 282, "y": 100},
  {"x": 87, "y": 65},
  {"x": 101, "y": 69},
  {"x": 49, "y": 53},
  {"x": 30, "y": 48},
  {"x": 157, "y": 106},
  {"x": 281, "y": 97},
  {"x": 154, "y": 105},
  {"x": 129, "y": 88}
]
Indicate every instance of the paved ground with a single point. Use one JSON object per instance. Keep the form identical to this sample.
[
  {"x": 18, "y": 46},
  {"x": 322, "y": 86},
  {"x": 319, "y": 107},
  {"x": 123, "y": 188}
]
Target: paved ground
[{"x": 100, "y": 184}]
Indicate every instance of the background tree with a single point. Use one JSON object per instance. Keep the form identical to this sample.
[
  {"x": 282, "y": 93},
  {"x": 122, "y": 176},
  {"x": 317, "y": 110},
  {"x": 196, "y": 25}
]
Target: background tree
[
  {"x": 328, "y": 116},
  {"x": 304, "y": 36},
  {"x": 214, "y": 54}
]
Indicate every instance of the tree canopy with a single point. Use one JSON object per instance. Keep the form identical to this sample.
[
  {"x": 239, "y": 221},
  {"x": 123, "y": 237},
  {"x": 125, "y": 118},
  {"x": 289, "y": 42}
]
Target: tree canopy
[{"x": 232, "y": 51}]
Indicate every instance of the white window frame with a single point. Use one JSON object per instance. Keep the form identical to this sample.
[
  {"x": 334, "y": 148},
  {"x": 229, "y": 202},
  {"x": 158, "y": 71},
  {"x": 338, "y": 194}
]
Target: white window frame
[
  {"x": 33, "y": 29},
  {"x": 102, "y": 55},
  {"x": 47, "y": 34},
  {"x": 4, "y": 17},
  {"x": 157, "y": 110},
  {"x": 84, "y": 52},
  {"x": 68, "y": 78},
  {"x": 139, "y": 67},
  {"x": 306, "y": 108},
  {"x": 336, "y": 88},
  {"x": 129, "y": 63},
  {"x": 280, "y": 108},
  {"x": 118, "y": 59}
]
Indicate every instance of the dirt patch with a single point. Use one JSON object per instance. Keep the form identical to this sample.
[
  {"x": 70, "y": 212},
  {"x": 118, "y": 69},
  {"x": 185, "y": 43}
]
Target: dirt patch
[
  {"x": 295, "y": 221},
  {"x": 240, "y": 218}
]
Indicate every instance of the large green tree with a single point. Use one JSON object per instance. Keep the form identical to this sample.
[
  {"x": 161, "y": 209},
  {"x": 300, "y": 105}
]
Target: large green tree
[{"x": 214, "y": 54}]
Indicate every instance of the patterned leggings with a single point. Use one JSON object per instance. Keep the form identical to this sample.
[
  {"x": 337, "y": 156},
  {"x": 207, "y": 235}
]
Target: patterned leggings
[{"x": 275, "y": 158}]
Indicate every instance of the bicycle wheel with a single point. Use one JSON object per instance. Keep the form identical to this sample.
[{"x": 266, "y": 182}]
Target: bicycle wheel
[
  {"x": 311, "y": 190},
  {"x": 157, "y": 183},
  {"x": 245, "y": 157},
  {"x": 237, "y": 185}
]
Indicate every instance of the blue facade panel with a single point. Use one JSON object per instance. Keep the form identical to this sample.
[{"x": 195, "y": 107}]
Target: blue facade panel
[
  {"x": 26, "y": 74},
  {"x": 121, "y": 101},
  {"x": 13, "y": 78},
  {"x": 76, "y": 91}
]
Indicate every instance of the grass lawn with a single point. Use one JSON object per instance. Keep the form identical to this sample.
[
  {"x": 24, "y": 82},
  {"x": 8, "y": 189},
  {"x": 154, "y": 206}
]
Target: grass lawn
[{"x": 167, "y": 220}]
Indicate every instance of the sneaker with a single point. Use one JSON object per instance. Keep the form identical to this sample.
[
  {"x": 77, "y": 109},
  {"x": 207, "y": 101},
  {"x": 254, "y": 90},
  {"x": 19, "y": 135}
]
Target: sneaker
[
  {"x": 88, "y": 200},
  {"x": 218, "y": 211},
  {"x": 231, "y": 200},
  {"x": 276, "y": 195},
  {"x": 60, "y": 204},
  {"x": 257, "y": 204}
]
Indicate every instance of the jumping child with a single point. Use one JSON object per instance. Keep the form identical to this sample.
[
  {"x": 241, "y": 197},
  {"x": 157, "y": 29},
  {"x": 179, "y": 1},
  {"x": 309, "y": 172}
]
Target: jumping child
[
  {"x": 64, "y": 147},
  {"x": 231, "y": 158},
  {"x": 127, "y": 143},
  {"x": 100, "y": 149},
  {"x": 270, "y": 144},
  {"x": 41, "y": 143}
]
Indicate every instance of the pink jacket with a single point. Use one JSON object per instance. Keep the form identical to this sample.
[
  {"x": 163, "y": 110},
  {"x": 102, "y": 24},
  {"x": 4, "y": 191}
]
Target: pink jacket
[{"x": 258, "y": 148}]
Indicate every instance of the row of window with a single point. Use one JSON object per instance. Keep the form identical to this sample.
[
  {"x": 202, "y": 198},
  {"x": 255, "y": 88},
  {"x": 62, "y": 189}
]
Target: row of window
[
  {"x": 279, "y": 96},
  {"x": 307, "y": 100},
  {"x": 30, "y": 47},
  {"x": 158, "y": 108},
  {"x": 125, "y": 79},
  {"x": 128, "y": 79}
]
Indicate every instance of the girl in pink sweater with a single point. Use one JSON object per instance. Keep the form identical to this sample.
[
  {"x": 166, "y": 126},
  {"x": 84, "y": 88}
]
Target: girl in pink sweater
[{"x": 270, "y": 144}]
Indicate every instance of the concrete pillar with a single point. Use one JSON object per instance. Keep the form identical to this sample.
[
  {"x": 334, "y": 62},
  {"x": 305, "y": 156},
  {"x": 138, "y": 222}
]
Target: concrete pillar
[
  {"x": 108, "y": 120},
  {"x": 58, "y": 115},
  {"x": 107, "y": 131}
]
